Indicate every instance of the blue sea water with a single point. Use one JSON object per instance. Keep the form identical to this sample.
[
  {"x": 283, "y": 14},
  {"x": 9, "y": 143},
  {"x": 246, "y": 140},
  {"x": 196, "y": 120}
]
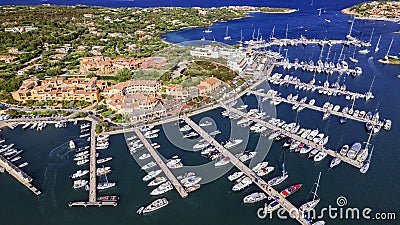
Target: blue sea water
[{"x": 51, "y": 161}]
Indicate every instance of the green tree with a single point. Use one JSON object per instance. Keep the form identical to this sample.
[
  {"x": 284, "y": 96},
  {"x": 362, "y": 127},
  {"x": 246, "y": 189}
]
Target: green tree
[{"x": 124, "y": 75}]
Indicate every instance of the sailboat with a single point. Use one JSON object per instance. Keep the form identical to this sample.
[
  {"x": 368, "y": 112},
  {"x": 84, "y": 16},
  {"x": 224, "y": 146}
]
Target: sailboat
[
  {"x": 227, "y": 37},
  {"x": 390, "y": 46},
  {"x": 279, "y": 179},
  {"x": 352, "y": 58},
  {"x": 369, "y": 94},
  {"x": 365, "y": 167},
  {"x": 377, "y": 44},
  {"x": 241, "y": 37},
  {"x": 105, "y": 185},
  {"x": 203, "y": 38},
  {"x": 208, "y": 30},
  {"x": 306, "y": 207}
]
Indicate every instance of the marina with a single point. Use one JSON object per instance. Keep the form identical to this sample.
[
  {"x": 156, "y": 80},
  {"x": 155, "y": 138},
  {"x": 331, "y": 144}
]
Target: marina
[
  {"x": 320, "y": 109},
  {"x": 182, "y": 192},
  {"x": 313, "y": 145},
  {"x": 263, "y": 185}
]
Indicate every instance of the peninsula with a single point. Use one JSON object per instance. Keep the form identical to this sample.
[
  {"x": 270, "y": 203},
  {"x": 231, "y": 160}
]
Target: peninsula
[{"x": 376, "y": 10}]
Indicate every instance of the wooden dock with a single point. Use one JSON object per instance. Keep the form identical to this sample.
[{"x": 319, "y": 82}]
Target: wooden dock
[
  {"x": 18, "y": 174},
  {"x": 182, "y": 192},
  {"x": 317, "y": 108},
  {"x": 354, "y": 95},
  {"x": 330, "y": 152},
  {"x": 92, "y": 161},
  {"x": 263, "y": 185}
]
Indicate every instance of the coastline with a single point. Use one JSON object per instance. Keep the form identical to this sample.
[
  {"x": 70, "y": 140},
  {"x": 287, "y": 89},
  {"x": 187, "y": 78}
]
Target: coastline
[
  {"x": 358, "y": 16},
  {"x": 389, "y": 62}
]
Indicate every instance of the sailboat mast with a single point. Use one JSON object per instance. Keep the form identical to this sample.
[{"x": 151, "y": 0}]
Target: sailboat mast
[
  {"x": 351, "y": 28},
  {"x": 370, "y": 39},
  {"x": 287, "y": 28},
  {"x": 317, "y": 186},
  {"x": 390, "y": 46},
  {"x": 377, "y": 44}
]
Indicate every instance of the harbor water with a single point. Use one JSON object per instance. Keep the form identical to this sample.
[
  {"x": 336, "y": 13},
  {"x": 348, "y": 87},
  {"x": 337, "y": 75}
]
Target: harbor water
[{"x": 51, "y": 161}]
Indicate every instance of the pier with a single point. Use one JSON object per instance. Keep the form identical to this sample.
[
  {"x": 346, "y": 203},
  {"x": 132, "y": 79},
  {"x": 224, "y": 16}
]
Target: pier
[
  {"x": 305, "y": 41},
  {"x": 317, "y": 108},
  {"x": 330, "y": 152},
  {"x": 353, "y": 95},
  {"x": 182, "y": 192},
  {"x": 18, "y": 174},
  {"x": 263, "y": 185}
]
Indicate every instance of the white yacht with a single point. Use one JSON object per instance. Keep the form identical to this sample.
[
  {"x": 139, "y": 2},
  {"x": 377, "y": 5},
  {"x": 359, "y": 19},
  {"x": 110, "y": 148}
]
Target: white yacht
[
  {"x": 254, "y": 197},
  {"x": 157, "y": 204},
  {"x": 215, "y": 132},
  {"x": 246, "y": 155},
  {"x": 265, "y": 170},
  {"x": 174, "y": 162},
  {"x": 344, "y": 150},
  {"x": 190, "y": 181},
  {"x": 205, "y": 124},
  {"x": 71, "y": 144},
  {"x": 277, "y": 180},
  {"x": 259, "y": 166},
  {"x": 79, "y": 173},
  {"x": 157, "y": 181},
  {"x": 355, "y": 148},
  {"x": 222, "y": 161},
  {"x": 233, "y": 143},
  {"x": 320, "y": 156},
  {"x": 145, "y": 156},
  {"x": 185, "y": 128},
  {"x": 235, "y": 175},
  {"x": 149, "y": 165},
  {"x": 151, "y": 175},
  {"x": 163, "y": 188},
  {"x": 200, "y": 146},
  {"x": 80, "y": 184},
  {"x": 242, "y": 184},
  {"x": 334, "y": 162},
  {"x": 105, "y": 185}
]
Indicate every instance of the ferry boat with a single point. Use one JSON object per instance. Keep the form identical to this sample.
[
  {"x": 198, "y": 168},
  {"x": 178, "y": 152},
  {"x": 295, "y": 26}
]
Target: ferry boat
[
  {"x": 355, "y": 148},
  {"x": 254, "y": 197},
  {"x": 233, "y": 143},
  {"x": 235, "y": 175},
  {"x": 149, "y": 165},
  {"x": 79, "y": 173},
  {"x": 242, "y": 184},
  {"x": 157, "y": 181},
  {"x": 100, "y": 161},
  {"x": 108, "y": 198},
  {"x": 157, "y": 204},
  {"x": 151, "y": 175},
  {"x": 163, "y": 188},
  {"x": 71, "y": 144},
  {"x": 80, "y": 184}
]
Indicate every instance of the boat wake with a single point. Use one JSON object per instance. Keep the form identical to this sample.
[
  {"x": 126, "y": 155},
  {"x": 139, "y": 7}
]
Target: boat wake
[{"x": 47, "y": 200}]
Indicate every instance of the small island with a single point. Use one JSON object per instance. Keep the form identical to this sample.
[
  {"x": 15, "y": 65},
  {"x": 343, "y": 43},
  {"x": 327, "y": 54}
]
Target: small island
[{"x": 376, "y": 10}]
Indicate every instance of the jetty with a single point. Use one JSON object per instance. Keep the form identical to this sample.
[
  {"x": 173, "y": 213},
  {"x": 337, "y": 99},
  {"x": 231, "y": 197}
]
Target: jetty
[
  {"x": 18, "y": 174},
  {"x": 92, "y": 200},
  {"x": 263, "y": 185},
  {"x": 313, "y": 145},
  {"x": 318, "y": 108},
  {"x": 337, "y": 91},
  {"x": 182, "y": 192}
]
